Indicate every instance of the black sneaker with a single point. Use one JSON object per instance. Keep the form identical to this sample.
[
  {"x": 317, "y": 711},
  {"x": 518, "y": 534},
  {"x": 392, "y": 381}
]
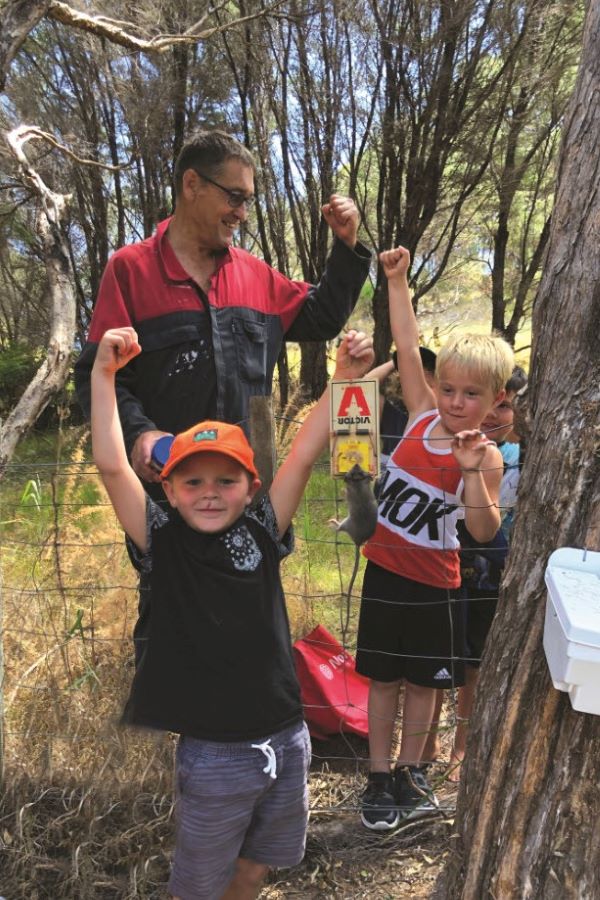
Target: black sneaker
[
  {"x": 413, "y": 792},
  {"x": 379, "y": 811}
]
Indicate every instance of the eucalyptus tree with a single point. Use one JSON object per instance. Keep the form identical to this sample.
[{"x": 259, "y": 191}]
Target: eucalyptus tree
[
  {"x": 522, "y": 169},
  {"x": 527, "y": 823}
]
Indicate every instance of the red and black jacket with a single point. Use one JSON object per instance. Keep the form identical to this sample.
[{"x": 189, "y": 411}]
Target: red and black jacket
[{"x": 234, "y": 332}]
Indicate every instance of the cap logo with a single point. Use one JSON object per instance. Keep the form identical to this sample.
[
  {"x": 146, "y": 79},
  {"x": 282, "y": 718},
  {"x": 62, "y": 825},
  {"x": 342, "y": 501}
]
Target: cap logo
[{"x": 209, "y": 435}]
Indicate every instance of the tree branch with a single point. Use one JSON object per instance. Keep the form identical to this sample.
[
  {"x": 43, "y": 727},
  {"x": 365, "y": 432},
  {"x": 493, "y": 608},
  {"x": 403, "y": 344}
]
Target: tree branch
[
  {"x": 28, "y": 132},
  {"x": 121, "y": 32}
]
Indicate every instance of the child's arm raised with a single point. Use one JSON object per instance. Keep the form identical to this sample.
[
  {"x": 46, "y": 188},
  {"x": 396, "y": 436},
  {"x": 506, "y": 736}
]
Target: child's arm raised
[
  {"x": 482, "y": 467},
  {"x": 416, "y": 393},
  {"x": 354, "y": 357},
  {"x": 116, "y": 348},
  {"x": 381, "y": 373}
]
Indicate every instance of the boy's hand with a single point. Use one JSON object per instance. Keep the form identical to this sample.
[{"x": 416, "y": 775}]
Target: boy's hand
[
  {"x": 117, "y": 347},
  {"x": 355, "y": 356},
  {"x": 395, "y": 262},
  {"x": 469, "y": 448}
]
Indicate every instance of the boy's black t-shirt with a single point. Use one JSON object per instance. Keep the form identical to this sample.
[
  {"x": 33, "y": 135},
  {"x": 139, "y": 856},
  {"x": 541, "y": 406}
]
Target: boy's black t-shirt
[{"x": 218, "y": 664}]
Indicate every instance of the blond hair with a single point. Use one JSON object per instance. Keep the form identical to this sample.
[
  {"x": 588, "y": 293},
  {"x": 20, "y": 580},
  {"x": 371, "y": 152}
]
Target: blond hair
[{"x": 489, "y": 357}]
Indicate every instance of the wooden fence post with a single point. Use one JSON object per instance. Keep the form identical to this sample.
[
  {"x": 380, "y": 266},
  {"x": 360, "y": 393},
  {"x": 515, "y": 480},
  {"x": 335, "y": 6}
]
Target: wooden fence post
[{"x": 262, "y": 438}]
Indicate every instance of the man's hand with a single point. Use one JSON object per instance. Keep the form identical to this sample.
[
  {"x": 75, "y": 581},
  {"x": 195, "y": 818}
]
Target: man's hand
[
  {"x": 469, "y": 449},
  {"x": 395, "y": 263},
  {"x": 141, "y": 455},
  {"x": 117, "y": 347},
  {"x": 355, "y": 356},
  {"x": 342, "y": 217}
]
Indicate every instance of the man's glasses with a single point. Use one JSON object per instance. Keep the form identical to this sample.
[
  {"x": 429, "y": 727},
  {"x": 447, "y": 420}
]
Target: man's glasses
[{"x": 235, "y": 199}]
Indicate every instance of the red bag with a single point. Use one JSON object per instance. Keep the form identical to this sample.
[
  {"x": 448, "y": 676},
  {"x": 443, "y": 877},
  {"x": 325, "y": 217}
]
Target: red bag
[{"x": 334, "y": 695}]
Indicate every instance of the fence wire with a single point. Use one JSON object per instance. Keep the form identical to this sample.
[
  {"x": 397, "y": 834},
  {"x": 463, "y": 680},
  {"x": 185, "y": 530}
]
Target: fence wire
[{"x": 85, "y": 801}]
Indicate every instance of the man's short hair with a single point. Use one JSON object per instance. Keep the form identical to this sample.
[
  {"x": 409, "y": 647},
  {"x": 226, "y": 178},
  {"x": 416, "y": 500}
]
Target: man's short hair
[
  {"x": 489, "y": 357},
  {"x": 517, "y": 380},
  {"x": 208, "y": 151}
]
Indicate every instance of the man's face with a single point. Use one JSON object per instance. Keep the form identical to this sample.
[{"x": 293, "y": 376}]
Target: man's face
[{"x": 215, "y": 219}]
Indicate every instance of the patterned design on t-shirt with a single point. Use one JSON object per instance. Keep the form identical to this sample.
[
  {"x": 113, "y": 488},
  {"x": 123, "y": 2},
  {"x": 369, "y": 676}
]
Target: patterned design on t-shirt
[
  {"x": 242, "y": 548},
  {"x": 238, "y": 543},
  {"x": 264, "y": 514}
]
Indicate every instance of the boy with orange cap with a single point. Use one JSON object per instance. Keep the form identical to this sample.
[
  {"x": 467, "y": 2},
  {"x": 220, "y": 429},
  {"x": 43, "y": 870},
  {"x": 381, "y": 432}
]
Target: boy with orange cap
[{"x": 218, "y": 666}]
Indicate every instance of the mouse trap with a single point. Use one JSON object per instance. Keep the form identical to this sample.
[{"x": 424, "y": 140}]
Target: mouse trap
[{"x": 354, "y": 426}]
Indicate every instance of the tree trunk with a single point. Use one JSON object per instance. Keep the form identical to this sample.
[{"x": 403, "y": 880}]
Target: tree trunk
[
  {"x": 313, "y": 369},
  {"x": 527, "y": 820}
]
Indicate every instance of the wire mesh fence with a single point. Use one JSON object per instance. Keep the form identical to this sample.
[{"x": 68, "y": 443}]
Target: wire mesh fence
[{"x": 86, "y": 805}]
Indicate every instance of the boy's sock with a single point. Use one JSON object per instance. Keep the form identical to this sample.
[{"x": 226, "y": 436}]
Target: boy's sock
[
  {"x": 412, "y": 791},
  {"x": 379, "y": 811}
]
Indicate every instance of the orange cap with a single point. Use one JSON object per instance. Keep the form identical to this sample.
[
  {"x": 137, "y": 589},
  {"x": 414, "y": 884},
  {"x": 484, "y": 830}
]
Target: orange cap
[{"x": 212, "y": 437}]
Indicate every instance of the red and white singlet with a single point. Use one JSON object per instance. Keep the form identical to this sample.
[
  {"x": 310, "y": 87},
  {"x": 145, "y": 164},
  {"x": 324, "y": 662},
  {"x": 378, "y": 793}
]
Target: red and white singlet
[{"x": 419, "y": 503}]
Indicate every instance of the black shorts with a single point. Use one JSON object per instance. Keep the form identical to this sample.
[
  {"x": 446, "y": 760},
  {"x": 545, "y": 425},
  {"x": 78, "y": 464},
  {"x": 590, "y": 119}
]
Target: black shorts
[
  {"x": 479, "y": 609},
  {"x": 409, "y": 630}
]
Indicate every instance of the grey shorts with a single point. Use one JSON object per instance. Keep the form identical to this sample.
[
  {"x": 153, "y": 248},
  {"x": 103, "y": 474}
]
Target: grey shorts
[{"x": 229, "y": 805}]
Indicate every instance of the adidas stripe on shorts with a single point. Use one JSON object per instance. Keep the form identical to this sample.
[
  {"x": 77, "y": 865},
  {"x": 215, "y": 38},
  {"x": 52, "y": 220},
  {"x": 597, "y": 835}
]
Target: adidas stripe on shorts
[{"x": 409, "y": 630}]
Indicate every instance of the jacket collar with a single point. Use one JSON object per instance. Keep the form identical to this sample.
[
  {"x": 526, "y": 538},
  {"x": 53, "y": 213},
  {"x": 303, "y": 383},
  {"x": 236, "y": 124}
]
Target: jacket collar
[{"x": 169, "y": 263}]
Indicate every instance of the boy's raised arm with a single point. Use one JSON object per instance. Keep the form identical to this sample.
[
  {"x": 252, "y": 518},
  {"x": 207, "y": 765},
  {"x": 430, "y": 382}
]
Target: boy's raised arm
[
  {"x": 116, "y": 348},
  {"x": 354, "y": 357},
  {"x": 416, "y": 393}
]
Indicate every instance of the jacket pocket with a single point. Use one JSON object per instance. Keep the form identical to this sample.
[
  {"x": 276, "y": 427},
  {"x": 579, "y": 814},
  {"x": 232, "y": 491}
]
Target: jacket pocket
[{"x": 251, "y": 341}]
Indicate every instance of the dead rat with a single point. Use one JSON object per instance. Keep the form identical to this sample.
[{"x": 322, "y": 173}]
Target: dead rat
[{"x": 361, "y": 521}]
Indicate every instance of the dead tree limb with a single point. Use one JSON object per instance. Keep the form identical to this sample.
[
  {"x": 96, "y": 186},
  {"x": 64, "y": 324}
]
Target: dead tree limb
[
  {"x": 121, "y": 33},
  {"x": 53, "y": 371},
  {"x": 28, "y": 132}
]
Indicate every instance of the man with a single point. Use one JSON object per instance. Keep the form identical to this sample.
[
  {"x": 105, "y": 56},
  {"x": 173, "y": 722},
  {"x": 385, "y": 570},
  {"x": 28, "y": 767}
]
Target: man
[{"x": 211, "y": 318}]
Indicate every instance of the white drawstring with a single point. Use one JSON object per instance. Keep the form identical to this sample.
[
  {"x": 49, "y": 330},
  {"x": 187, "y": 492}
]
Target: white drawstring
[{"x": 271, "y": 766}]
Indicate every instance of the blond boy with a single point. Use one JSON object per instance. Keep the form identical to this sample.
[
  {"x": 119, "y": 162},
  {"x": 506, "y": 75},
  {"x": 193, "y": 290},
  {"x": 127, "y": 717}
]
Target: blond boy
[{"x": 410, "y": 629}]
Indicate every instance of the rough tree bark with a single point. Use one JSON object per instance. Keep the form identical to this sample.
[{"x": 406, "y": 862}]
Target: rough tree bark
[{"x": 527, "y": 819}]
